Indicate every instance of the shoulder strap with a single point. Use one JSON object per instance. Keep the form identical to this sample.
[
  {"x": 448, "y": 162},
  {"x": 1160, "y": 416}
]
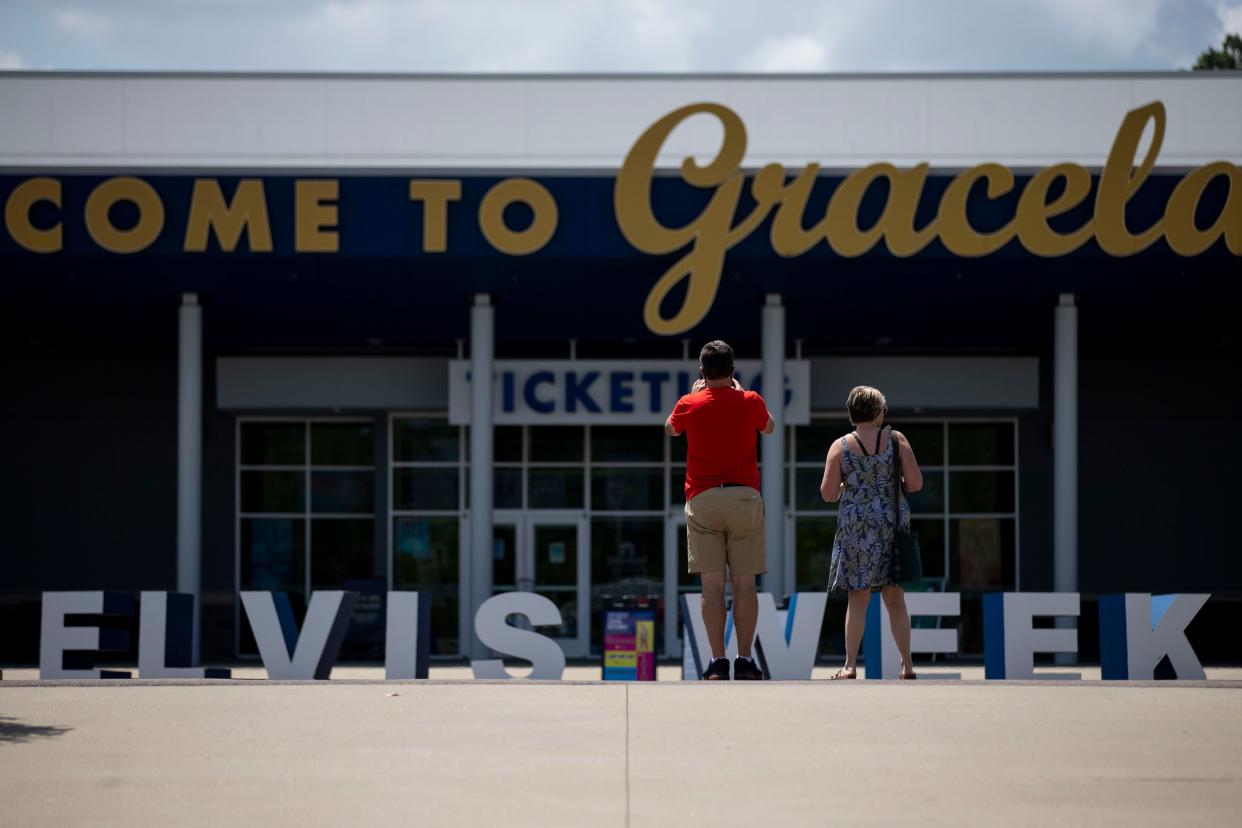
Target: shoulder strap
[
  {"x": 897, "y": 493},
  {"x": 879, "y": 434},
  {"x": 861, "y": 447}
]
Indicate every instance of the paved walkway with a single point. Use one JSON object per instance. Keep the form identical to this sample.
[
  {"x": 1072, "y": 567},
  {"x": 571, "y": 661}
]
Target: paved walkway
[{"x": 591, "y": 754}]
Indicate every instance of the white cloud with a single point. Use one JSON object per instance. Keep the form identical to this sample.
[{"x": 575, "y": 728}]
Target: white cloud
[
  {"x": 1121, "y": 26},
  {"x": 788, "y": 53},
  {"x": 617, "y": 35},
  {"x": 11, "y": 60},
  {"x": 88, "y": 25},
  {"x": 1230, "y": 18}
]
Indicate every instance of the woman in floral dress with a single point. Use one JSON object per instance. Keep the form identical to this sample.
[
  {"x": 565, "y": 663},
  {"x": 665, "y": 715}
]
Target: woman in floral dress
[{"x": 859, "y": 475}]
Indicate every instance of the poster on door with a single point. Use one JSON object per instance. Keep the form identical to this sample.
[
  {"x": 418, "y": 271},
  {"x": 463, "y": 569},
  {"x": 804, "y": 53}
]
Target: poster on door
[{"x": 629, "y": 644}]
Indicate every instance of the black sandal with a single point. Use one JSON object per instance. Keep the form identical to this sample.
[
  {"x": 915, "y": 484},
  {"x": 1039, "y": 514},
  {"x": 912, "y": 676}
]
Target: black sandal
[{"x": 839, "y": 675}]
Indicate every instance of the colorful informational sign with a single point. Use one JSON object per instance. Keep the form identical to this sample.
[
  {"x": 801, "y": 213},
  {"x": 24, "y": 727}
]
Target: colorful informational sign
[{"x": 629, "y": 644}]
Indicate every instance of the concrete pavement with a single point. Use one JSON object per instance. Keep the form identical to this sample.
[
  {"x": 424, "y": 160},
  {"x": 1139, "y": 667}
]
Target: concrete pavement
[{"x": 473, "y": 753}]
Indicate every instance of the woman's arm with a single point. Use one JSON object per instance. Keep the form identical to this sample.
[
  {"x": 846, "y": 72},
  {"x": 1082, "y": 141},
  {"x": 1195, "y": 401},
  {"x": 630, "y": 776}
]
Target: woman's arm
[
  {"x": 830, "y": 487},
  {"x": 911, "y": 475}
]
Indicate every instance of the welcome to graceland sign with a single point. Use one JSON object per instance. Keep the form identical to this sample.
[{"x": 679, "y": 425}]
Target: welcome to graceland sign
[
  {"x": 1137, "y": 632},
  {"x": 196, "y": 220}
]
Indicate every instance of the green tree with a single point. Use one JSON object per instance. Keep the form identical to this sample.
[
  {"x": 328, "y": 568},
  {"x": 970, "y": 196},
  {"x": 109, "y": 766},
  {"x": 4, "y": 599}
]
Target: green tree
[{"x": 1228, "y": 56}]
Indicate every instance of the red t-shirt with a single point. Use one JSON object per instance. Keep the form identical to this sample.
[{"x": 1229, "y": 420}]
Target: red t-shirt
[{"x": 720, "y": 426}]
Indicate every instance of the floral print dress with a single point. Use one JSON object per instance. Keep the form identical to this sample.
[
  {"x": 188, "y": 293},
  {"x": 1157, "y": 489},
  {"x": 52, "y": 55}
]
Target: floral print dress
[{"x": 862, "y": 552}]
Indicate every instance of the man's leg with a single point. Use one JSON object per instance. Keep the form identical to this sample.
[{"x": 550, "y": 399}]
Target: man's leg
[
  {"x": 713, "y": 604},
  {"x": 745, "y": 612}
]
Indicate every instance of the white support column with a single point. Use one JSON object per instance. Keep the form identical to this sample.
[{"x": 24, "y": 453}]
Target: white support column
[
  {"x": 482, "y": 357},
  {"x": 1065, "y": 447},
  {"x": 190, "y": 460},
  {"x": 772, "y": 471}
]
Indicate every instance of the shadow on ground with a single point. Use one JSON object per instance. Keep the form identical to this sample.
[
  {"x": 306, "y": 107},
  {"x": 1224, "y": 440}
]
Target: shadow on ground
[{"x": 14, "y": 731}]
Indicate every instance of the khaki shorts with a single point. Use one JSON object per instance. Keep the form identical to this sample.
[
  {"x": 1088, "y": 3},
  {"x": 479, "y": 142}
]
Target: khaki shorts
[{"x": 724, "y": 526}]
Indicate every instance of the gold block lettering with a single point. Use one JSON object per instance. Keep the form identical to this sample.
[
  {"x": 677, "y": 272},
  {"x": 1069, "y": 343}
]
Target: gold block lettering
[
  {"x": 435, "y": 196},
  {"x": 492, "y": 216},
  {"x": 248, "y": 212},
  {"x": 315, "y": 216},
  {"x": 17, "y": 215},
  {"x": 150, "y": 215}
]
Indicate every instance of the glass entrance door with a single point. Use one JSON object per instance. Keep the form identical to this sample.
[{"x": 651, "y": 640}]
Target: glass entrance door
[{"x": 545, "y": 553}]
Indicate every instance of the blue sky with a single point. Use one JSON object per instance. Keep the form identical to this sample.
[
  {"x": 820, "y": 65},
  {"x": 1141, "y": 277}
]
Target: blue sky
[{"x": 611, "y": 35}]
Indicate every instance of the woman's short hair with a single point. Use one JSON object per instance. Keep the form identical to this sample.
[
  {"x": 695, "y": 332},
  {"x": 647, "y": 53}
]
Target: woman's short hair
[
  {"x": 716, "y": 360},
  {"x": 865, "y": 404}
]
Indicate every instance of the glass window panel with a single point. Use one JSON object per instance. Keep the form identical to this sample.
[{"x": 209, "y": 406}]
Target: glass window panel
[
  {"x": 343, "y": 492},
  {"x": 427, "y": 488},
  {"x": 813, "y": 440},
  {"x": 931, "y": 544},
  {"x": 342, "y": 444},
  {"x": 628, "y": 489},
  {"x": 273, "y": 444},
  {"x": 927, "y": 440},
  {"x": 627, "y": 444},
  {"x": 627, "y": 564},
  {"x": 556, "y": 555},
  {"x": 981, "y": 491},
  {"x": 507, "y": 444},
  {"x": 506, "y": 488},
  {"x": 929, "y": 499},
  {"x": 343, "y": 555},
  {"x": 556, "y": 444},
  {"x": 813, "y": 552},
  {"x": 504, "y": 557},
  {"x": 273, "y": 554},
  {"x": 981, "y": 553},
  {"x": 273, "y": 491},
  {"x": 425, "y": 441},
  {"x": 807, "y": 486},
  {"x": 677, "y": 448},
  {"x": 426, "y": 552},
  {"x": 677, "y": 486},
  {"x": 566, "y": 601},
  {"x": 981, "y": 444},
  {"x": 554, "y": 488}
]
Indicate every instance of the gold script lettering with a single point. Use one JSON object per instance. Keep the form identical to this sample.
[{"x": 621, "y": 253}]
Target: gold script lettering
[
  {"x": 208, "y": 212},
  {"x": 1180, "y": 229},
  {"x": 1034, "y": 210},
  {"x": 17, "y": 215},
  {"x": 1119, "y": 181},
  {"x": 150, "y": 215},
  {"x": 709, "y": 235},
  {"x": 896, "y": 223},
  {"x": 315, "y": 216},
  {"x": 955, "y": 230}
]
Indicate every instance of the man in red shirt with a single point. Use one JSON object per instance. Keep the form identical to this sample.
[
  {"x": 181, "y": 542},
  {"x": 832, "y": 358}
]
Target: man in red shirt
[{"x": 724, "y": 510}]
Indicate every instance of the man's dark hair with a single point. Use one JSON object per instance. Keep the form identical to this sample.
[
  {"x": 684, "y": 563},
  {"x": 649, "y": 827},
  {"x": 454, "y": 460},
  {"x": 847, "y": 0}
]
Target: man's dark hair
[{"x": 716, "y": 360}]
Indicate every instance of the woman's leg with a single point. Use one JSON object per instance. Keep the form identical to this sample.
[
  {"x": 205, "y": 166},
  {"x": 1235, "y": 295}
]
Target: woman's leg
[
  {"x": 855, "y": 622},
  {"x": 895, "y": 602}
]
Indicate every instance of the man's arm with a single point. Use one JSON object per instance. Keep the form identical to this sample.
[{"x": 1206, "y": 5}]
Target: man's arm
[
  {"x": 675, "y": 424},
  {"x": 769, "y": 426}
]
